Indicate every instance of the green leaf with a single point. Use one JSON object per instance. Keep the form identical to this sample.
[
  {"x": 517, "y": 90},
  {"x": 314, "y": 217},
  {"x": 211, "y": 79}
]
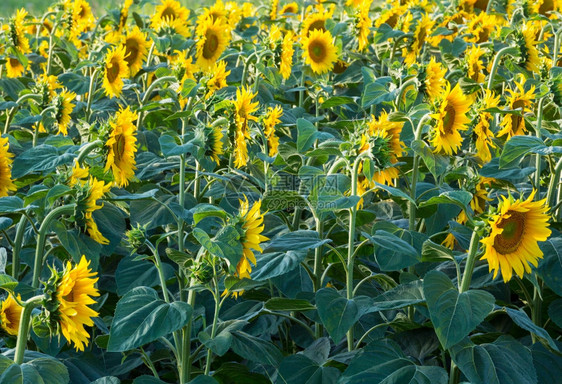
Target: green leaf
[
  {"x": 36, "y": 371},
  {"x": 299, "y": 369},
  {"x": 555, "y": 312},
  {"x": 107, "y": 380},
  {"x": 338, "y": 314},
  {"x": 255, "y": 349},
  {"x": 169, "y": 146},
  {"x": 454, "y": 315},
  {"x": 56, "y": 192},
  {"x": 550, "y": 268},
  {"x": 42, "y": 158},
  {"x": 403, "y": 295},
  {"x": 521, "y": 319},
  {"x": 395, "y": 192},
  {"x": 391, "y": 252},
  {"x": 460, "y": 198},
  {"x": 145, "y": 379},
  {"x": 295, "y": 241},
  {"x": 202, "y": 379},
  {"x": 67, "y": 239},
  {"x": 7, "y": 282},
  {"x": 220, "y": 344},
  {"x": 433, "y": 252},
  {"x": 284, "y": 304},
  {"x": 10, "y": 204},
  {"x": 276, "y": 264},
  {"x": 306, "y": 135},
  {"x": 133, "y": 196},
  {"x": 131, "y": 273},
  {"x": 501, "y": 362},
  {"x": 547, "y": 364},
  {"x": 335, "y": 101},
  {"x": 76, "y": 83},
  {"x": 202, "y": 211},
  {"x": 142, "y": 317},
  {"x": 6, "y": 222},
  {"x": 517, "y": 147}
]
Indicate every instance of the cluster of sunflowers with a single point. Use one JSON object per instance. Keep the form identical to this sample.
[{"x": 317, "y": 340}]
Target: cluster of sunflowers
[{"x": 311, "y": 170}]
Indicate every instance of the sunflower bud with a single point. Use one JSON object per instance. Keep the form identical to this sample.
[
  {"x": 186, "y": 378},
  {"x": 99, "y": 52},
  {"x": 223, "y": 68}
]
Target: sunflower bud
[
  {"x": 202, "y": 271},
  {"x": 136, "y": 237}
]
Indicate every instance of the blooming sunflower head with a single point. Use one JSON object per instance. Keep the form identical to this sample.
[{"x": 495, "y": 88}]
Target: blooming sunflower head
[
  {"x": 17, "y": 32},
  {"x": 250, "y": 220},
  {"x": 526, "y": 41},
  {"x": 475, "y": 64},
  {"x": 272, "y": 118},
  {"x": 289, "y": 9},
  {"x": 46, "y": 86},
  {"x": 171, "y": 13},
  {"x": 115, "y": 70},
  {"x": 88, "y": 195},
  {"x": 121, "y": 146},
  {"x": 218, "y": 78},
  {"x": 521, "y": 100},
  {"x": 213, "y": 38},
  {"x": 63, "y": 108},
  {"x": 314, "y": 21},
  {"x": 483, "y": 135},
  {"x": 245, "y": 107},
  {"x": 319, "y": 51},
  {"x": 287, "y": 51},
  {"x": 6, "y": 183},
  {"x": 213, "y": 143},
  {"x": 432, "y": 79},
  {"x": 14, "y": 67},
  {"x": 515, "y": 230},
  {"x": 451, "y": 118},
  {"x": 136, "y": 50},
  {"x": 10, "y": 314}
]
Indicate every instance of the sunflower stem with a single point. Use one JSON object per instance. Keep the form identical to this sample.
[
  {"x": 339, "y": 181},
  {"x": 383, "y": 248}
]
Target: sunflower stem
[
  {"x": 495, "y": 65},
  {"x": 18, "y": 243},
  {"x": 538, "y": 159},
  {"x": 9, "y": 117},
  {"x": 416, "y": 161},
  {"x": 216, "y": 295},
  {"x": 556, "y": 47},
  {"x": 50, "y": 54},
  {"x": 554, "y": 183},
  {"x": 318, "y": 329},
  {"x": 86, "y": 149},
  {"x": 471, "y": 259},
  {"x": 25, "y": 322},
  {"x": 42, "y": 238},
  {"x": 403, "y": 89},
  {"x": 91, "y": 91}
]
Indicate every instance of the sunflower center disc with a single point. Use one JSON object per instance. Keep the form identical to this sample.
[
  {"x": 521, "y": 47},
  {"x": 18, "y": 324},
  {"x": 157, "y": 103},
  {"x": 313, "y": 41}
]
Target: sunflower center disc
[
  {"x": 132, "y": 51},
  {"x": 119, "y": 147},
  {"x": 513, "y": 227},
  {"x": 211, "y": 45},
  {"x": 317, "y": 51},
  {"x": 318, "y": 24},
  {"x": 113, "y": 70},
  {"x": 169, "y": 12},
  {"x": 449, "y": 119},
  {"x": 518, "y": 120}
]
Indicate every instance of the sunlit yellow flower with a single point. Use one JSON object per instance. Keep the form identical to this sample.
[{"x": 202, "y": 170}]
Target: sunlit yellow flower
[
  {"x": 390, "y": 16},
  {"x": 170, "y": 13},
  {"x": 274, "y": 9},
  {"x": 319, "y": 51},
  {"x": 545, "y": 7},
  {"x": 213, "y": 145},
  {"x": 514, "y": 235},
  {"x": 527, "y": 45},
  {"x": 63, "y": 108},
  {"x": 6, "y": 183},
  {"x": 116, "y": 69},
  {"x": 483, "y": 134},
  {"x": 17, "y": 32},
  {"x": 46, "y": 86},
  {"x": 390, "y": 130},
  {"x": 244, "y": 108},
  {"x": 451, "y": 118},
  {"x": 314, "y": 21},
  {"x": 184, "y": 69},
  {"x": 213, "y": 38},
  {"x": 364, "y": 24},
  {"x": 287, "y": 51},
  {"x": 422, "y": 31},
  {"x": 481, "y": 27},
  {"x": 514, "y": 125},
  {"x": 14, "y": 68},
  {"x": 434, "y": 82},
  {"x": 78, "y": 174},
  {"x": 272, "y": 118},
  {"x": 240, "y": 148},
  {"x": 218, "y": 79},
  {"x": 96, "y": 190},
  {"x": 10, "y": 314},
  {"x": 136, "y": 50},
  {"x": 122, "y": 144},
  {"x": 289, "y": 9},
  {"x": 124, "y": 14},
  {"x": 217, "y": 11},
  {"x": 252, "y": 225},
  {"x": 75, "y": 293}
]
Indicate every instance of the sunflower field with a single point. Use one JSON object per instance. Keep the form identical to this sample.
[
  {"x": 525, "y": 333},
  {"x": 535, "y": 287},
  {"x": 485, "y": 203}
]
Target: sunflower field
[{"x": 315, "y": 192}]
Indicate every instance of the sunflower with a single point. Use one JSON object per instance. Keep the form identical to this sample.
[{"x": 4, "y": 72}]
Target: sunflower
[
  {"x": 95, "y": 191},
  {"x": 391, "y": 131},
  {"x": 122, "y": 147},
  {"x": 213, "y": 145},
  {"x": 6, "y": 183},
  {"x": 272, "y": 118},
  {"x": 78, "y": 174},
  {"x": 289, "y": 9},
  {"x": 434, "y": 81},
  {"x": 474, "y": 64},
  {"x": 287, "y": 51},
  {"x": 17, "y": 32},
  {"x": 216, "y": 12},
  {"x": 422, "y": 31},
  {"x": 390, "y": 16},
  {"x": 46, "y": 86},
  {"x": 75, "y": 292},
  {"x": 240, "y": 148},
  {"x": 218, "y": 78},
  {"x": 481, "y": 27},
  {"x": 124, "y": 14},
  {"x": 545, "y": 7},
  {"x": 136, "y": 50},
  {"x": 252, "y": 227},
  {"x": 314, "y": 21},
  {"x": 63, "y": 107},
  {"x": 364, "y": 24},
  {"x": 213, "y": 40},
  {"x": 83, "y": 18},
  {"x": 512, "y": 124},
  {"x": 451, "y": 118},
  {"x": 526, "y": 40},
  {"x": 14, "y": 68},
  {"x": 116, "y": 69},
  {"x": 319, "y": 51},
  {"x": 244, "y": 109},
  {"x": 274, "y": 9},
  {"x": 483, "y": 134},
  {"x": 10, "y": 314},
  {"x": 514, "y": 235},
  {"x": 170, "y": 13}
]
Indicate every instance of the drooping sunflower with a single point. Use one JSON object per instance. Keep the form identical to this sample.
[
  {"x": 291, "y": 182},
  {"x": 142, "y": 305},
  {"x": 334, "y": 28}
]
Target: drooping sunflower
[
  {"x": 14, "y": 68},
  {"x": 512, "y": 124},
  {"x": 245, "y": 106},
  {"x": 218, "y": 78},
  {"x": 213, "y": 144},
  {"x": 391, "y": 131},
  {"x": 319, "y": 51},
  {"x": 78, "y": 174},
  {"x": 390, "y": 16},
  {"x": 10, "y": 314},
  {"x": 451, "y": 118},
  {"x": 481, "y": 27},
  {"x": 287, "y": 51},
  {"x": 364, "y": 24},
  {"x": 63, "y": 108},
  {"x": 240, "y": 149},
  {"x": 17, "y": 32},
  {"x": 136, "y": 50},
  {"x": 213, "y": 38},
  {"x": 514, "y": 235},
  {"x": 94, "y": 190},
  {"x": 252, "y": 226},
  {"x": 116, "y": 69},
  {"x": 6, "y": 183},
  {"x": 289, "y": 9},
  {"x": 526, "y": 40},
  {"x": 75, "y": 292},
  {"x": 483, "y": 134},
  {"x": 171, "y": 13},
  {"x": 314, "y": 21},
  {"x": 274, "y": 9},
  {"x": 124, "y": 14},
  {"x": 434, "y": 81},
  {"x": 421, "y": 32},
  {"x": 474, "y": 63},
  {"x": 122, "y": 147},
  {"x": 272, "y": 118}
]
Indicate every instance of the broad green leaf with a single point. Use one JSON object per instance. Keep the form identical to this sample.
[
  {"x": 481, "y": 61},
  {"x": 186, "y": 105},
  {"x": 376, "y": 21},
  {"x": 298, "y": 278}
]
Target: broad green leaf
[
  {"x": 402, "y": 296},
  {"x": 295, "y": 241},
  {"x": 550, "y": 268},
  {"x": 146, "y": 379},
  {"x": 433, "y": 252},
  {"x": 505, "y": 361},
  {"x": 492, "y": 169},
  {"x": 56, "y": 192},
  {"x": 306, "y": 135},
  {"x": 547, "y": 364},
  {"x": 338, "y": 314},
  {"x": 521, "y": 319},
  {"x": 133, "y": 196},
  {"x": 460, "y": 198},
  {"x": 255, "y": 349},
  {"x": 132, "y": 273},
  {"x": 391, "y": 252},
  {"x": 169, "y": 146},
  {"x": 555, "y": 312},
  {"x": 454, "y": 315},
  {"x": 284, "y": 304},
  {"x": 67, "y": 239},
  {"x": 517, "y": 147},
  {"x": 335, "y": 101},
  {"x": 299, "y": 369},
  {"x": 220, "y": 344},
  {"x": 42, "y": 158},
  {"x": 233, "y": 372},
  {"x": 107, "y": 380},
  {"x": 276, "y": 264},
  {"x": 395, "y": 192},
  {"x": 10, "y": 204},
  {"x": 202, "y": 379},
  {"x": 36, "y": 371},
  {"x": 7, "y": 282},
  {"x": 202, "y": 211},
  {"x": 142, "y": 317},
  {"x": 5, "y": 223}
]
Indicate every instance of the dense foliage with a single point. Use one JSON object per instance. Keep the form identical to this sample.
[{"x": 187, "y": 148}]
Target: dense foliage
[{"x": 319, "y": 192}]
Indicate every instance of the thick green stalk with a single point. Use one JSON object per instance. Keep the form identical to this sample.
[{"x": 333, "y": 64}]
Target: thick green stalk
[
  {"x": 495, "y": 64},
  {"x": 50, "y": 56},
  {"x": 86, "y": 149},
  {"x": 148, "y": 92},
  {"x": 18, "y": 243},
  {"x": 471, "y": 259},
  {"x": 318, "y": 270},
  {"x": 217, "y": 298},
  {"x": 403, "y": 89},
  {"x": 42, "y": 238},
  {"x": 415, "y": 170},
  {"x": 91, "y": 91},
  {"x": 25, "y": 322},
  {"x": 554, "y": 183}
]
